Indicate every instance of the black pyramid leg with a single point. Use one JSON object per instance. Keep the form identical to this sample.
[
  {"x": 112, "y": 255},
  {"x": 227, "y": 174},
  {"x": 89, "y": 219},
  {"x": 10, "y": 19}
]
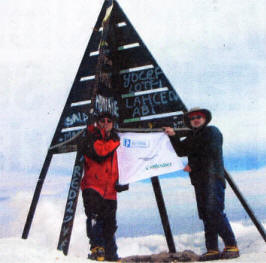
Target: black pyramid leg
[
  {"x": 245, "y": 205},
  {"x": 36, "y": 195},
  {"x": 71, "y": 205},
  {"x": 163, "y": 214}
]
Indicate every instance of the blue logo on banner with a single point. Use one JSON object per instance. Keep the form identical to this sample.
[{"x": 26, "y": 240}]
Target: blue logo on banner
[{"x": 127, "y": 143}]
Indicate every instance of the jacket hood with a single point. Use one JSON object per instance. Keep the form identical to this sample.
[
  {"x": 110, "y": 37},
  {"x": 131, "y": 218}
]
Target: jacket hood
[{"x": 206, "y": 112}]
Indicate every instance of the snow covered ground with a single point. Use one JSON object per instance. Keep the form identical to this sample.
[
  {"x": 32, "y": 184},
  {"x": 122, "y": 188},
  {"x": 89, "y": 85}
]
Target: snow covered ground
[{"x": 16, "y": 250}]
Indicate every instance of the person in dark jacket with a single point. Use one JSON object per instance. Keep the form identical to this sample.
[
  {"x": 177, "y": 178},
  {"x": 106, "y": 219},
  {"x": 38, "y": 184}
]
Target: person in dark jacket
[
  {"x": 99, "y": 187},
  {"x": 203, "y": 147}
]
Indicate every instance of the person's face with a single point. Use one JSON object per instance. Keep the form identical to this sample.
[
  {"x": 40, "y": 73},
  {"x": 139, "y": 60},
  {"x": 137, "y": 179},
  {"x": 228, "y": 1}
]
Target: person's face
[
  {"x": 106, "y": 124},
  {"x": 197, "y": 120}
]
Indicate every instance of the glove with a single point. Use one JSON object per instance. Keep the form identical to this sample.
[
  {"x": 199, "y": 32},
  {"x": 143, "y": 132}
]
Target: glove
[
  {"x": 96, "y": 135},
  {"x": 87, "y": 139},
  {"x": 83, "y": 142},
  {"x": 114, "y": 136},
  {"x": 121, "y": 187}
]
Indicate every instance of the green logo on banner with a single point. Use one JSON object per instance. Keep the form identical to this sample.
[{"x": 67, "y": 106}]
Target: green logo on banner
[{"x": 156, "y": 166}]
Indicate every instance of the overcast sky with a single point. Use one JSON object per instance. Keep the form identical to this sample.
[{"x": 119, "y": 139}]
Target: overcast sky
[{"x": 212, "y": 51}]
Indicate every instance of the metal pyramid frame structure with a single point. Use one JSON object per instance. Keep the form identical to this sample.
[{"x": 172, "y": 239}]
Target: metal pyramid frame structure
[
  {"x": 117, "y": 74},
  {"x": 129, "y": 81}
]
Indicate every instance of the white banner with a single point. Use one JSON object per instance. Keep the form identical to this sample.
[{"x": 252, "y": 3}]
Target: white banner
[{"x": 144, "y": 155}]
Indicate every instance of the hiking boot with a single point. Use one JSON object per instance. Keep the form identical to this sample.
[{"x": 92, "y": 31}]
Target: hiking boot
[
  {"x": 210, "y": 255},
  {"x": 97, "y": 253},
  {"x": 230, "y": 252}
]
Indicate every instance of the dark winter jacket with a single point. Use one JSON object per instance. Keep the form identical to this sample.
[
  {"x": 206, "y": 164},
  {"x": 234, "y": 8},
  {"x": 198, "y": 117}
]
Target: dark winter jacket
[
  {"x": 101, "y": 168},
  {"x": 203, "y": 147}
]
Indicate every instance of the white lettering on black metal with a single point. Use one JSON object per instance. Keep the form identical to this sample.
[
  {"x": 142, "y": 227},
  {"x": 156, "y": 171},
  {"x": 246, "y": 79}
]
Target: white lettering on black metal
[
  {"x": 66, "y": 136},
  {"x": 76, "y": 118},
  {"x": 106, "y": 104},
  {"x": 71, "y": 205},
  {"x": 142, "y": 80},
  {"x": 148, "y": 104}
]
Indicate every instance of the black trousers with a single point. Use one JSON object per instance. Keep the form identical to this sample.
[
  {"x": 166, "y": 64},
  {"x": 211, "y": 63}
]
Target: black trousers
[
  {"x": 210, "y": 203},
  {"x": 101, "y": 221}
]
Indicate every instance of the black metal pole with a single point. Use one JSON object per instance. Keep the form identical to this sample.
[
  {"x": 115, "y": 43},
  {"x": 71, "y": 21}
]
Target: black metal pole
[
  {"x": 36, "y": 195},
  {"x": 71, "y": 205},
  {"x": 245, "y": 205},
  {"x": 163, "y": 213}
]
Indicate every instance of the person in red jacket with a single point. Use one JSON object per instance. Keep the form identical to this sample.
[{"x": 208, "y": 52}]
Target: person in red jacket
[{"x": 99, "y": 187}]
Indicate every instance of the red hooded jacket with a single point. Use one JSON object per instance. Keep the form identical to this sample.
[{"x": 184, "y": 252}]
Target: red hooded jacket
[{"x": 101, "y": 167}]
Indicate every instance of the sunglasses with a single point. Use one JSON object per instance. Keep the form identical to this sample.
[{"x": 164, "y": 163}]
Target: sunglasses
[
  {"x": 105, "y": 120},
  {"x": 197, "y": 117}
]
